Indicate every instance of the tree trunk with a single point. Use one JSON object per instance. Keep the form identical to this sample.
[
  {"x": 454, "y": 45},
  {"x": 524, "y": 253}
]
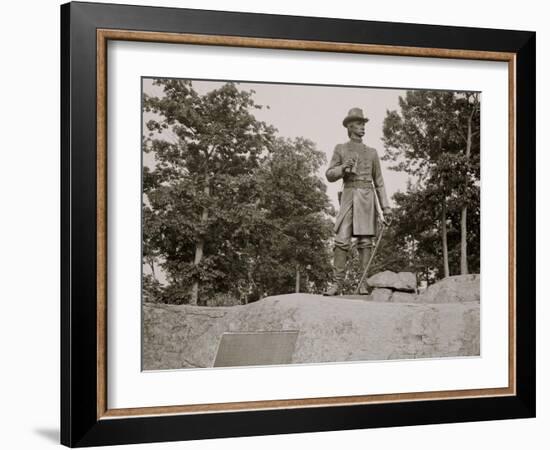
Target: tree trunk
[
  {"x": 444, "y": 240},
  {"x": 199, "y": 248},
  {"x": 151, "y": 262},
  {"x": 297, "y": 290},
  {"x": 463, "y": 242},
  {"x": 464, "y": 212}
]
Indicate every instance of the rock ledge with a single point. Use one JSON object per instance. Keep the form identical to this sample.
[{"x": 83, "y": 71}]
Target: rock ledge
[{"x": 331, "y": 329}]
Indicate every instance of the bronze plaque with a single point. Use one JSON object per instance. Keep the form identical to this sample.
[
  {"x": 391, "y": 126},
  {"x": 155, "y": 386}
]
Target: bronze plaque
[{"x": 259, "y": 348}]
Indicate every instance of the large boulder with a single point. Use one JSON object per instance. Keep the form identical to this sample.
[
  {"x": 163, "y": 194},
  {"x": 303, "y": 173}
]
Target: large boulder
[
  {"x": 331, "y": 329},
  {"x": 380, "y": 295},
  {"x": 455, "y": 289},
  {"x": 402, "y": 281}
]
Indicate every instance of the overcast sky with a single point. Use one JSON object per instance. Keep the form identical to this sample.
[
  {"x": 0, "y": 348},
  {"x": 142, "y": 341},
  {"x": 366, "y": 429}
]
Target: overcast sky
[{"x": 316, "y": 113}]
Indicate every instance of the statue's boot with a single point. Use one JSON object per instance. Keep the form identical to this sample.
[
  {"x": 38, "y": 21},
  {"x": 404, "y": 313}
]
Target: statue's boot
[
  {"x": 364, "y": 256},
  {"x": 340, "y": 258}
]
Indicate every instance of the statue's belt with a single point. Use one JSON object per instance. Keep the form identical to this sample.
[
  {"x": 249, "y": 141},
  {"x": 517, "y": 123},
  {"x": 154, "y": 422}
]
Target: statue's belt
[{"x": 359, "y": 184}]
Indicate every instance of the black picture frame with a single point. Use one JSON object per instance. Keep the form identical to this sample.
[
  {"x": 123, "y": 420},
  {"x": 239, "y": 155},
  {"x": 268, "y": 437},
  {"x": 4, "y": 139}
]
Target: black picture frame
[{"x": 80, "y": 424}]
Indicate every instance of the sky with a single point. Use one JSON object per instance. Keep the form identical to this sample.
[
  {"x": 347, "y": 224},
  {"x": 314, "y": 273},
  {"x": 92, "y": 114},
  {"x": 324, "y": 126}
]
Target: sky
[{"x": 316, "y": 113}]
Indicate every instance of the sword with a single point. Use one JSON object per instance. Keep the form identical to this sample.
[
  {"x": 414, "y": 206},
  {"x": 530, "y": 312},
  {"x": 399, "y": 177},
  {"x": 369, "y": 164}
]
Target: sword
[{"x": 382, "y": 219}]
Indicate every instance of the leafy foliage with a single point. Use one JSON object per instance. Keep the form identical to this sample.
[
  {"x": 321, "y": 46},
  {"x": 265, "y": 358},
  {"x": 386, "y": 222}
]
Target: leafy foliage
[
  {"x": 428, "y": 139},
  {"x": 228, "y": 207}
]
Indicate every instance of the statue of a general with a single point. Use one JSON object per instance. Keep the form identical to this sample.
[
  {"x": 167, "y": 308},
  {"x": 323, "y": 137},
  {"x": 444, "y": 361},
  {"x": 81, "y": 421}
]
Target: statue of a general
[{"x": 359, "y": 166}]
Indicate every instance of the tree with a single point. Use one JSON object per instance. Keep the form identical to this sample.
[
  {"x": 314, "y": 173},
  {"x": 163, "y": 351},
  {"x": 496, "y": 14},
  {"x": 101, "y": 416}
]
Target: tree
[
  {"x": 297, "y": 204},
  {"x": 243, "y": 214},
  {"x": 413, "y": 241},
  {"x": 432, "y": 139},
  {"x": 468, "y": 127},
  {"x": 217, "y": 142}
]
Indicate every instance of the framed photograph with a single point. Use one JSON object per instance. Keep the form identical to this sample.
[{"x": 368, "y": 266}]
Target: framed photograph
[{"x": 277, "y": 224}]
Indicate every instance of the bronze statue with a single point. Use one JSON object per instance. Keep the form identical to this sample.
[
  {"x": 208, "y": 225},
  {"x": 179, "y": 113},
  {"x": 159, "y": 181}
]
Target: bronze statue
[{"x": 359, "y": 167}]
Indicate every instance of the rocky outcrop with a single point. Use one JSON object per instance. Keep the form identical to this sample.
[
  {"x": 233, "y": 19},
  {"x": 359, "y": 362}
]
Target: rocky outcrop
[
  {"x": 387, "y": 295},
  {"x": 380, "y": 295},
  {"x": 455, "y": 289},
  {"x": 331, "y": 329},
  {"x": 402, "y": 281}
]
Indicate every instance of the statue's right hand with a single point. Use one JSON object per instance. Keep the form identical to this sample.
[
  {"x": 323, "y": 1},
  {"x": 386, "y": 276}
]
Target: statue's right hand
[{"x": 348, "y": 164}]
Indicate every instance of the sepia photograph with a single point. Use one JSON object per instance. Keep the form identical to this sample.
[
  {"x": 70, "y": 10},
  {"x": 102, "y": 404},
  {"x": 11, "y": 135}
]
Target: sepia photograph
[{"x": 305, "y": 224}]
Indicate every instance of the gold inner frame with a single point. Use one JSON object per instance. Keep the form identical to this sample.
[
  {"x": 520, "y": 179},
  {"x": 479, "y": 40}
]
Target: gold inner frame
[{"x": 103, "y": 36}]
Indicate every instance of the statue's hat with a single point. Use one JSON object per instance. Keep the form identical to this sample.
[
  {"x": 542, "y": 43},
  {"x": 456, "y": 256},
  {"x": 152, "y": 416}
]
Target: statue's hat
[{"x": 354, "y": 114}]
